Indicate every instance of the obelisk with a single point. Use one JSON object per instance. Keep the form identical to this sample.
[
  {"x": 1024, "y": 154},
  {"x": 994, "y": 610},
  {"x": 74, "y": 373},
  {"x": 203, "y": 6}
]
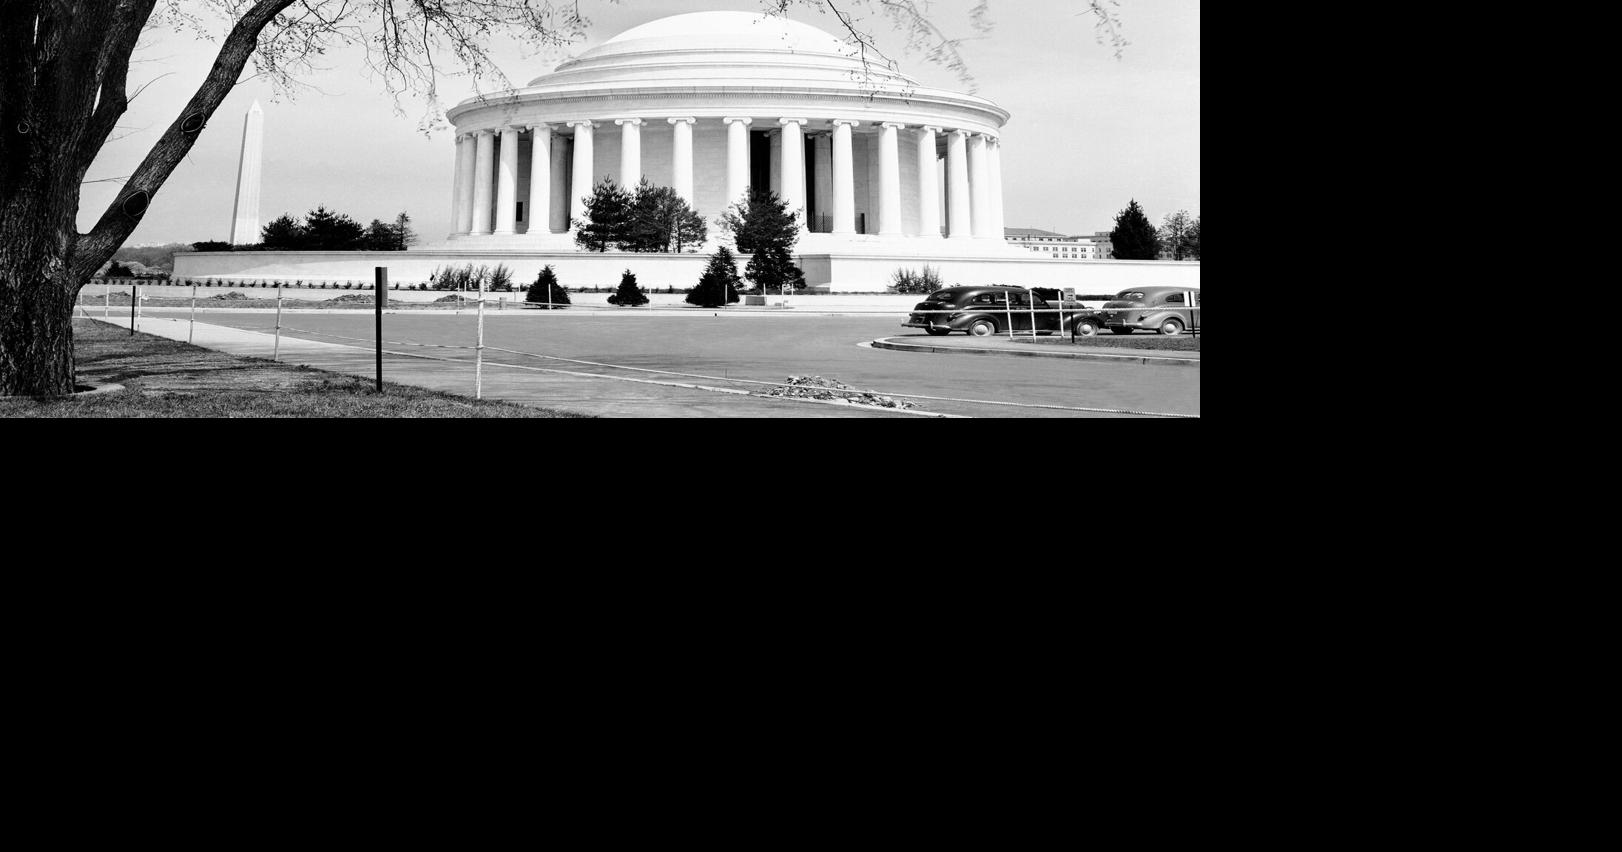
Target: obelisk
[{"x": 245, "y": 217}]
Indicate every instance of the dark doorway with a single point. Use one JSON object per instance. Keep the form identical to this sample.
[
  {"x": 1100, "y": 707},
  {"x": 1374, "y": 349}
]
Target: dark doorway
[
  {"x": 813, "y": 221},
  {"x": 760, "y": 159}
]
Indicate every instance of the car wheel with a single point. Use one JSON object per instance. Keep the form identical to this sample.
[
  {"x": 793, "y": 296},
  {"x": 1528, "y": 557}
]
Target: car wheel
[
  {"x": 938, "y": 332},
  {"x": 1121, "y": 330},
  {"x": 1171, "y": 328},
  {"x": 1085, "y": 328},
  {"x": 982, "y": 328}
]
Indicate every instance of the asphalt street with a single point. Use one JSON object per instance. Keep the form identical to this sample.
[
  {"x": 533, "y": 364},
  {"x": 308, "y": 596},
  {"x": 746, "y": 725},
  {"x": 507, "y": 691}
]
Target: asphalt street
[{"x": 768, "y": 347}]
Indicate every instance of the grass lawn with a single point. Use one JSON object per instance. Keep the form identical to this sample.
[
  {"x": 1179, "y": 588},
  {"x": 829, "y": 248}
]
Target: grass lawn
[
  {"x": 468, "y": 302},
  {"x": 1107, "y": 340},
  {"x": 167, "y": 378}
]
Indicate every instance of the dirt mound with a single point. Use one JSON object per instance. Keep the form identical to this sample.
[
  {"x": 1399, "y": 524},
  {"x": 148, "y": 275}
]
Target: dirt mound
[
  {"x": 232, "y": 296},
  {"x": 832, "y": 390}
]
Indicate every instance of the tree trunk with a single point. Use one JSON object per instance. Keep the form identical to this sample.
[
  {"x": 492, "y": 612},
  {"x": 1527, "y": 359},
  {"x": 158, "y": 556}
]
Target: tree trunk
[{"x": 36, "y": 331}]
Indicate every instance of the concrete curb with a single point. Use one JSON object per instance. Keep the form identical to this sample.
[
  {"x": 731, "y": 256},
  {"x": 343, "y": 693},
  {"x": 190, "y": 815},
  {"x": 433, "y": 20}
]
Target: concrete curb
[{"x": 908, "y": 346}]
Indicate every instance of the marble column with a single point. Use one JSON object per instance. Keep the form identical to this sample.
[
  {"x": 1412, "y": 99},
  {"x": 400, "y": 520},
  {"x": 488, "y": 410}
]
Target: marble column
[
  {"x": 844, "y": 179},
  {"x": 582, "y": 181},
  {"x": 793, "y": 161},
  {"x": 737, "y": 158},
  {"x": 890, "y": 179},
  {"x": 466, "y": 156},
  {"x": 958, "y": 220},
  {"x": 456, "y": 188},
  {"x": 558, "y": 222},
  {"x": 999, "y": 227},
  {"x": 929, "y": 191},
  {"x": 482, "y": 175},
  {"x": 979, "y": 187},
  {"x": 507, "y": 184},
  {"x": 682, "y": 157},
  {"x": 630, "y": 152},
  {"x": 540, "y": 179}
]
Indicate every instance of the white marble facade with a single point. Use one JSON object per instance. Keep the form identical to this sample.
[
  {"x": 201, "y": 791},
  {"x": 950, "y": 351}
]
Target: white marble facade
[{"x": 710, "y": 102}]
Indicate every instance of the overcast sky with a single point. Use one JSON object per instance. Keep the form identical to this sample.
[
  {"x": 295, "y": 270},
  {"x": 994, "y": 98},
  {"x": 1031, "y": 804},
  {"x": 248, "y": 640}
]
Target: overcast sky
[{"x": 1089, "y": 132}]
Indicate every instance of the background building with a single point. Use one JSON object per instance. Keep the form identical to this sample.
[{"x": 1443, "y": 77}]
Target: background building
[{"x": 1058, "y": 246}]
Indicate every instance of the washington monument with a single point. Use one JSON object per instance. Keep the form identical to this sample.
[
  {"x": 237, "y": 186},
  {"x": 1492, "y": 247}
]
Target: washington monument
[{"x": 245, "y": 217}]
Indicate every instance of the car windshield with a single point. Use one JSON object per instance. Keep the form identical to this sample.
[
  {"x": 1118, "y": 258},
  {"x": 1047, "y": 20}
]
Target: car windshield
[{"x": 1130, "y": 296}]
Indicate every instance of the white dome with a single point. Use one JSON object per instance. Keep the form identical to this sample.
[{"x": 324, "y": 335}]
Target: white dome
[
  {"x": 716, "y": 29},
  {"x": 710, "y": 65},
  {"x": 742, "y": 44}
]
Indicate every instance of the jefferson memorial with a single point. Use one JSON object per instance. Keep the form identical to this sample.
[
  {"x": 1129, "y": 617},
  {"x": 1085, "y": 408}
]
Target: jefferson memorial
[
  {"x": 715, "y": 102},
  {"x": 886, "y": 173}
]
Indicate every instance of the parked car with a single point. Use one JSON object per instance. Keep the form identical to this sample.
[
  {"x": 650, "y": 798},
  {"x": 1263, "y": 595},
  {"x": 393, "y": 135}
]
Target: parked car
[
  {"x": 983, "y": 311},
  {"x": 1162, "y": 309}
]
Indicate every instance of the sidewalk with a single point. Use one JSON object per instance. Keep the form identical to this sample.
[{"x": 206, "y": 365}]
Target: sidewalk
[
  {"x": 452, "y": 372},
  {"x": 963, "y": 344}
]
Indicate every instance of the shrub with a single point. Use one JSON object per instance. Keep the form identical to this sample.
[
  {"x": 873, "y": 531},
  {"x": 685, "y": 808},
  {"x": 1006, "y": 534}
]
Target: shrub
[
  {"x": 546, "y": 290},
  {"x": 719, "y": 285},
  {"x": 501, "y": 279},
  {"x": 906, "y": 281},
  {"x": 628, "y": 295}
]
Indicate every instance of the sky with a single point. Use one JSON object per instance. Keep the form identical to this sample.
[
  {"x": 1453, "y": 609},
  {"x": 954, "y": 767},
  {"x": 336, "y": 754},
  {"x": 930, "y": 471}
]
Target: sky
[{"x": 1089, "y": 131}]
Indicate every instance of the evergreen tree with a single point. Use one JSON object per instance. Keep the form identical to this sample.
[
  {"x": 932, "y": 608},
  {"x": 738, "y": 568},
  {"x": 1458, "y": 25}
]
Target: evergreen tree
[
  {"x": 772, "y": 268},
  {"x": 1134, "y": 237},
  {"x": 403, "y": 234},
  {"x": 628, "y": 295},
  {"x": 660, "y": 220},
  {"x": 608, "y": 208},
  {"x": 283, "y": 232},
  {"x": 378, "y": 237},
  {"x": 764, "y": 226},
  {"x": 719, "y": 285},
  {"x": 1192, "y": 239},
  {"x": 324, "y": 229},
  {"x": 762, "y": 219},
  {"x": 546, "y": 290}
]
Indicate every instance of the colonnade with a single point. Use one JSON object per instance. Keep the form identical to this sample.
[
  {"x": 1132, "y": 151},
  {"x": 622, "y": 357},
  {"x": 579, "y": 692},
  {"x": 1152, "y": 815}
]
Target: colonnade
[{"x": 973, "y": 174}]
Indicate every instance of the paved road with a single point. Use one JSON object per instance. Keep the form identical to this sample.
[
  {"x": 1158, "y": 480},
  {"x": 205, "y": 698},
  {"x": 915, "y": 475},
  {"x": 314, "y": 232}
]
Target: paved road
[{"x": 770, "y": 347}]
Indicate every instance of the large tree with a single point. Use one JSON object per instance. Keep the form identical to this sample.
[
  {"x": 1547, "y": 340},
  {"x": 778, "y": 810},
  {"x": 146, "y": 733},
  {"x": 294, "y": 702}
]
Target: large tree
[
  {"x": 607, "y": 209},
  {"x": 1134, "y": 236},
  {"x": 763, "y": 226},
  {"x": 326, "y": 229},
  {"x": 64, "y": 69},
  {"x": 659, "y": 220},
  {"x": 1180, "y": 235},
  {"x": 283, "y": 232}
]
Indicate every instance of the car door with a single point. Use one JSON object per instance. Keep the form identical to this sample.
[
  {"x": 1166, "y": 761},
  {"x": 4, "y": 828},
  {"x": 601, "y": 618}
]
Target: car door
[
  {"x": 1174, "y": 307},
  {"x": 994, "y": 304},
  {"x": 1047, "y": 318},
  {"x": 1020, "y": 303}
]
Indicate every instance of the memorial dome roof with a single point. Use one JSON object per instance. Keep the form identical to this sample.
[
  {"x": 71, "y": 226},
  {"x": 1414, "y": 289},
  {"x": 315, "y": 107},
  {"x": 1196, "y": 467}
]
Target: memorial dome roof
[{"x": 707, "y": 43}]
